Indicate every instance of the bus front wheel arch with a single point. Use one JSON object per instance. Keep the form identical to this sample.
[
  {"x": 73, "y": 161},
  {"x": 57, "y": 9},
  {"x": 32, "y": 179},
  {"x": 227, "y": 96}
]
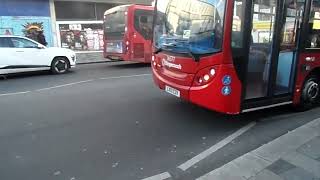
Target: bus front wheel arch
[{"x": 310, "y": 92}]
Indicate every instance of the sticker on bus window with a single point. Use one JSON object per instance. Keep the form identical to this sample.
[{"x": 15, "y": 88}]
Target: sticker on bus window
[{"x": 186, "y": 34}]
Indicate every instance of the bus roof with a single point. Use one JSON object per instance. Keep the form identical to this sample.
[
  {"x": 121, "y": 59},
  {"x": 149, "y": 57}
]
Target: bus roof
[
  {"x": 122, "y": 7},
  {"x": 115, "y": 9}
]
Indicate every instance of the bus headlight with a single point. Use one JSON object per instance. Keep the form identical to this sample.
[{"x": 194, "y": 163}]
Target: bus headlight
[
  {"x": 212, "y": 72},
  {"x": 204, "y": 76}
]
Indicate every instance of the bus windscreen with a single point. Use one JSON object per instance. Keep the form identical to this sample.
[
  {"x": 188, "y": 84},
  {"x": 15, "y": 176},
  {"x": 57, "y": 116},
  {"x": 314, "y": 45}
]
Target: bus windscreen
[{"x": 194, "y": 26}]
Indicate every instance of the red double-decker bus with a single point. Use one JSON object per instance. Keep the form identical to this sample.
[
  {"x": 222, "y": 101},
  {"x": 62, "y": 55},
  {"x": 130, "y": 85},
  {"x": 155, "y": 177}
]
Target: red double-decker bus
[
  {"x": 235, "y": 56},
  {"x": 128, "y": 33}
]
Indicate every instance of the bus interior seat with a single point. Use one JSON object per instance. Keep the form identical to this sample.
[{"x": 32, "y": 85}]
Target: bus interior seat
[
  {"x": 237, "y": 39},
  {"x": 314, "y": 41},
  {"x": 258, "y": 56}
]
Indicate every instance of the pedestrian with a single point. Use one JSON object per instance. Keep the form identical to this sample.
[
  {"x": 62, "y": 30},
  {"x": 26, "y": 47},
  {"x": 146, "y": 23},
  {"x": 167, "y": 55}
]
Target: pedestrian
[
  {"x": 41, "y": 38},
  {"x": 7, "y": 32}
]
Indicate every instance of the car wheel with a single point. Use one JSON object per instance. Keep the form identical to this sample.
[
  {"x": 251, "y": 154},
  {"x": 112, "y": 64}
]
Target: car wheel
[
  {"x": 310, "y": 93},
  {"x": 60, "y": 65}
]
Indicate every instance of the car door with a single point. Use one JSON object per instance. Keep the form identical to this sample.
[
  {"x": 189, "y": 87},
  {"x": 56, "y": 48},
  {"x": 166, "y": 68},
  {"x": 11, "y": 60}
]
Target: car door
[{"x": 29, "y": 52}]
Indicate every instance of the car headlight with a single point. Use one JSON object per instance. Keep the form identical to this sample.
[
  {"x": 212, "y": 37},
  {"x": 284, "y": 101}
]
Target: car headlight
[{"x": 73, "y": 57}]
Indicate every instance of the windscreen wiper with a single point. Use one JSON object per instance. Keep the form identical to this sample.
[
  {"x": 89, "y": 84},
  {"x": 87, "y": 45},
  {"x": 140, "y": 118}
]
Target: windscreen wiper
[
  {"x": 195, "y": 57},
  {"x": 158, "y": 51},
  {"x": 161, "y": 49}
]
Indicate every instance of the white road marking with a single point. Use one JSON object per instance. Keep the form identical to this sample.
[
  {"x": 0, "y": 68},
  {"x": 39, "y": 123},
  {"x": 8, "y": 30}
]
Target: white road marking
[
  {"x": 64, "y": 85},
  {"x": 74, "y": 83},
  {"x": 216, "y": 147},
  {"x": 16, "y": 93},
  {"x": 131, "y": 76},
  {"x": 161, "y": 176}
]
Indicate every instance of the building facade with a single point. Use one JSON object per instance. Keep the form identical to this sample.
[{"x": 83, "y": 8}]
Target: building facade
[
  {"x": 79, "y": 23},
  {"x": 74, "y": 24},
  {"x": 25, "y": 18}
]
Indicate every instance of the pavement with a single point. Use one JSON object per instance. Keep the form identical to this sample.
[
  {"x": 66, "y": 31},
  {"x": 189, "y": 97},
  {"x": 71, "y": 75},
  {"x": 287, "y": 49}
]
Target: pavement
[
  {"x": 293, "y": 156},
  {"x": 109, "y": 121},
  {"x": 90, "y": 57}
]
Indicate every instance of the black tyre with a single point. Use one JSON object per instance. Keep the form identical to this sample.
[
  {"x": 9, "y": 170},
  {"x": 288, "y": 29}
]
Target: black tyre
[
  {"x": 60, "y": 65},
  {"x": 310, "y": 94}
]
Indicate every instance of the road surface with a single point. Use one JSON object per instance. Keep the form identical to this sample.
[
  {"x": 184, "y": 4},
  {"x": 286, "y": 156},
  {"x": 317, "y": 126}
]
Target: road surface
[{"x": 109, "y": 121}]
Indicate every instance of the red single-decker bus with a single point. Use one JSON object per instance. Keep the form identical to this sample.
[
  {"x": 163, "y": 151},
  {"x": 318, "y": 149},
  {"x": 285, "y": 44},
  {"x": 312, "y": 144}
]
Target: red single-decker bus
[
  {"x": 235, "y": 56},
  {"x": 128, "y": 33}
]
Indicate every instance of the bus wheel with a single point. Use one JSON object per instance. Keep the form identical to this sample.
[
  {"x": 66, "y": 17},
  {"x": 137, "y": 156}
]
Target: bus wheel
[{"x": 310, "y": 93}]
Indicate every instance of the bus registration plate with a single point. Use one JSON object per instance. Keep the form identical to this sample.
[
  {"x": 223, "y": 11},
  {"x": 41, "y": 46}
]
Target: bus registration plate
[{"x": 172, "y": 91}]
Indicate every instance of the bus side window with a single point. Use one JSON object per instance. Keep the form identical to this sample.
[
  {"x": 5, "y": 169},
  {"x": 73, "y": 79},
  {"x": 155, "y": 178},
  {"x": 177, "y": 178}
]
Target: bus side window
[
  {"x": 313, "y": 40},
  {"x": 237, "y": 38},
  {"x": 237, "y": 31},
  {"x": 143, "y": 23}
]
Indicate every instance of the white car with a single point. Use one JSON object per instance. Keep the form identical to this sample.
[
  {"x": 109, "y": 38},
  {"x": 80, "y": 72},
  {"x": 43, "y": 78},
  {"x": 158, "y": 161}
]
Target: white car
[{"x": 21, "y": 54}]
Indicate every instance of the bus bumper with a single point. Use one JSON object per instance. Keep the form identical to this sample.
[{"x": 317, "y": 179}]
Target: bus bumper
[
  {"x": 162, "y": 83},
  {"x": 209, "y": 96}
]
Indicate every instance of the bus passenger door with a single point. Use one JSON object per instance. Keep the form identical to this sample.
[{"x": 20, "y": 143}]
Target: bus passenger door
[
  {"x": 287, "y": 58},
  {"x": 267, "y": 66},
  {"x": 273, "y": 48},
  {"x": 261, "y": 44}
]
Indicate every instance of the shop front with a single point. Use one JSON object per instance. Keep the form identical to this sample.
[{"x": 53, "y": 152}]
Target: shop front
[{"x": 80, "y": 25}]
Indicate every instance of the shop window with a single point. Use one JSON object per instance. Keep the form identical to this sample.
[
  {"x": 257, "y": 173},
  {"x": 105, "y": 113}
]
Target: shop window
[
  {"x": 82, "y": 37},
  {"x": 313, "y": 40},
  {"x": 87, "y": 33}
]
